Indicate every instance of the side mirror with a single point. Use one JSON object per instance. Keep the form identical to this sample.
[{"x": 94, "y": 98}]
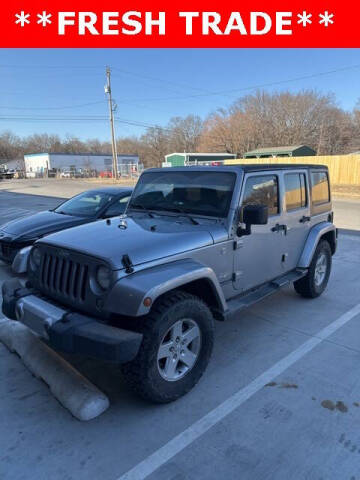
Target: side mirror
[{"x": 252, "y": 215}]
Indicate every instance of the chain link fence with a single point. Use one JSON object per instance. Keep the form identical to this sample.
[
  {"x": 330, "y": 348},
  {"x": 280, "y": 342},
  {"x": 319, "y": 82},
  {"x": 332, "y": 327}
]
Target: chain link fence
[{"x": 125, "y": 170}]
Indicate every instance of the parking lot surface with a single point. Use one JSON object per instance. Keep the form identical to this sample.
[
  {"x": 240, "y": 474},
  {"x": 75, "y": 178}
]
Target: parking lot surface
[
  {"x": 302, "y": 423},
  {"x": 53, "y": 187}
]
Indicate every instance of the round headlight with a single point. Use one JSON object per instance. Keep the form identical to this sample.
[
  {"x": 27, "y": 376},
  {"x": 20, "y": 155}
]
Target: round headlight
[
  {"x": 103, "y": 277},
  {"x": 35, "y": 258}
]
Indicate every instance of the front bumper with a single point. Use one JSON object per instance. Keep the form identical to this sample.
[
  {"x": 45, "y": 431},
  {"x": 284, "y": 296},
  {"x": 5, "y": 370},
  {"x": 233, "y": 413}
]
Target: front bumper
[{"x": 68, "y": 331}]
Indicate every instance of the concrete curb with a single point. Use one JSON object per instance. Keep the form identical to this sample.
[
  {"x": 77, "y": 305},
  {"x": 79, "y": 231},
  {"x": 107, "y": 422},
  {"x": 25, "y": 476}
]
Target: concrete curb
[{"x": 70, "y": 388}]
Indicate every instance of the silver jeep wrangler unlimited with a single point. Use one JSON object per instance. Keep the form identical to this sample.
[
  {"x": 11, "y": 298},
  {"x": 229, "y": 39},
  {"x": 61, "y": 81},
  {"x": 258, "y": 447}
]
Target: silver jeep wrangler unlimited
[{"x": 196, "y": 244}]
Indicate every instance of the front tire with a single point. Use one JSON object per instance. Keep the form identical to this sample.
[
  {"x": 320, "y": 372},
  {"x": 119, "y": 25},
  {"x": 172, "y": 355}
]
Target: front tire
[
  {"x": 176, "y": 348},
  {"x": 316, "y": 280}
]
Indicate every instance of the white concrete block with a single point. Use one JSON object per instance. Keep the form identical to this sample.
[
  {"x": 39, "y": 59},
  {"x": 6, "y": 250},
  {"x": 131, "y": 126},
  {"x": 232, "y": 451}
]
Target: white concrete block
[
  {"x": 71, "y": 389},
  {"x": 6, "y": 333}
]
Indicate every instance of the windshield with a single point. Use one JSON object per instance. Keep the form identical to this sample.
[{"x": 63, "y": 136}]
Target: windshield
[
  {"x": 197, "y": 193},
  {"x": 87, "y": 204}
]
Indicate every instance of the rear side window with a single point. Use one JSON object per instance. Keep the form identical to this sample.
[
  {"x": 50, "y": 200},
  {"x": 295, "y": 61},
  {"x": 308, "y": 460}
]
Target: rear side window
[
  {"x": 320, "y": 188},
  {"x": 295, "y": 191},
  {"x": 262, "y": 190}
]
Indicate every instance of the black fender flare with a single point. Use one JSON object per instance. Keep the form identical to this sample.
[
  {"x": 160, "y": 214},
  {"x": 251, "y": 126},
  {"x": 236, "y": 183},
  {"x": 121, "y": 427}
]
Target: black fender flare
[{"x": 128, "y": 294}]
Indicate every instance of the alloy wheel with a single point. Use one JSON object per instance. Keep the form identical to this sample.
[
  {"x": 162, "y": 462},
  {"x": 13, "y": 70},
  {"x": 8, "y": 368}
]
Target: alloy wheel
[{"x": 179, "y": 350}]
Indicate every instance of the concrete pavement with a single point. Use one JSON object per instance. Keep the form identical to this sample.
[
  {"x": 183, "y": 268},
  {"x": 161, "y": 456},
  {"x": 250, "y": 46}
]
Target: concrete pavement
[
  {"x": 21, "y": 197},
  {"x": 347, "y": 214},
  {"x": 53, "y": 187},
  {"x": 302, "y": 425}
]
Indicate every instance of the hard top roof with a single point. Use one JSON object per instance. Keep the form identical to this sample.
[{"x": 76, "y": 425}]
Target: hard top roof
[
  {"x": 250, "y": 167},
  {"x": 253, "y": 167}
]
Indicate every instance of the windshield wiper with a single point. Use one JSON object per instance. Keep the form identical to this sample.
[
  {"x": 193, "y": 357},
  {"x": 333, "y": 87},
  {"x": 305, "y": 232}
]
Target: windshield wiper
[
  {"x": 61, "y": 212},
  {"x": 141, "y": 207},
  {"x": 165, "y": 209},
  {"x": 184, "y": 213}
]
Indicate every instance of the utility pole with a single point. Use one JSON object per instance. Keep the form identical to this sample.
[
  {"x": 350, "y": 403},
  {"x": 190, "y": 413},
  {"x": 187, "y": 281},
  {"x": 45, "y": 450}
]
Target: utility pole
[
  {"x": 112, "y": 108},
  {"x": 320, "y": 142}
]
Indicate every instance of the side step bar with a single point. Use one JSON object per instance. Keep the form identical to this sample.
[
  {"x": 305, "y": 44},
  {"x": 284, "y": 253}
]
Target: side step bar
[{"x": 249, "y": 298}]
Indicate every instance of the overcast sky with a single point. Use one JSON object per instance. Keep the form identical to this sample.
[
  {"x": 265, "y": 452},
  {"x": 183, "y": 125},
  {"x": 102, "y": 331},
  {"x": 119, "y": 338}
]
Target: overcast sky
[{"x": 42, "y": 89}]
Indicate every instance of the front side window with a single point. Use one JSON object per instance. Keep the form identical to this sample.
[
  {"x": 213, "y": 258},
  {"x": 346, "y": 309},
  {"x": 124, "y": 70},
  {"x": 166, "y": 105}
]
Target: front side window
[
  {"x": 193, "y": 192},
  {"x": 295, "y": 191},
  {"x": 320, "y": 188},
  {"x": 262, "y": 190}
]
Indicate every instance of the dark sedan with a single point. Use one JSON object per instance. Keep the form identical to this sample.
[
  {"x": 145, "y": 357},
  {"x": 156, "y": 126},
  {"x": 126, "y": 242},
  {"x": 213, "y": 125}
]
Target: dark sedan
[{"x": 83, "y": 208}]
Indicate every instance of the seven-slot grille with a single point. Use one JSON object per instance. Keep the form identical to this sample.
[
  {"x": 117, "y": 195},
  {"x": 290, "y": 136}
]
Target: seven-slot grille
[{"x": 63, "y": 276}]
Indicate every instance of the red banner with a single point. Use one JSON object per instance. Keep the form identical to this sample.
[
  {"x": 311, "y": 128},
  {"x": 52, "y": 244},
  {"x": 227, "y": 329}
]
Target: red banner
[{"x": 83, "y": 23}]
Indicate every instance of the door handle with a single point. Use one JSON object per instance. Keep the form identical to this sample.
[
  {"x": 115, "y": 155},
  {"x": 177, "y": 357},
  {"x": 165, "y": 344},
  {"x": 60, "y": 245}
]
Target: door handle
[
  {"x": 279, "y": 227},
  {"x": 304, "y": 219}
]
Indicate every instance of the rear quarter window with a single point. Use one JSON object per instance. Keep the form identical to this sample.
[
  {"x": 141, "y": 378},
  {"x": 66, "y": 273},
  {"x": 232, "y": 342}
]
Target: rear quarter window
[
  {"x": 320, "y": 188},
  {"x": 295, "y": 191}
]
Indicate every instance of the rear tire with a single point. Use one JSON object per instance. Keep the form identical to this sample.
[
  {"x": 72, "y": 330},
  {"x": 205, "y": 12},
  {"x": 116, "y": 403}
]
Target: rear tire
[
  {"x": 168, "y": 364},
  {"x": 317, "y": 277}
]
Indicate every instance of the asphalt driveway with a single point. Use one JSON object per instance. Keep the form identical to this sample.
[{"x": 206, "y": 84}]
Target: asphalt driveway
[{"x": 301, "y": 423}]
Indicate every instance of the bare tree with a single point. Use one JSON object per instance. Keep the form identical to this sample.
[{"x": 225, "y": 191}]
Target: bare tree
[
  {"x": 258, "y": 120},
  {"x": 131, "y": 145},
  {"x": 156, "y": 146},
  {"x": 280, "y": 119},
  {"x": 354, "y": 144},
  {"x": 226, "y": 131},
  {"x": 96, "y": 146},
  {"x": 10, "y": 146},
  {"x": 41, "y": 143},
  {"x": 184, "y": 133}
]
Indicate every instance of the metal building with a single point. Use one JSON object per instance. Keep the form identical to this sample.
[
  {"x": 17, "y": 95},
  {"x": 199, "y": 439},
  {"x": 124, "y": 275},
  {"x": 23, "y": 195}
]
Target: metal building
[
  {"x": 39, "y": 164},
  {"x": 290, "y": 151}
]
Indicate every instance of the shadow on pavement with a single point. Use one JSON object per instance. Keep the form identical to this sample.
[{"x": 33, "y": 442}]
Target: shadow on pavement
[
  {"x": 38, "y": 199},
  {"x": 346, "y": 231}
]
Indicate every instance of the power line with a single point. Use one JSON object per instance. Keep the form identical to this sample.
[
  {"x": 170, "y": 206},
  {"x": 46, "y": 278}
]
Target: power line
[
  {"x": 100, "y": 67},
  {"x": 37, "y": 67},
  {"x": 102, "y": 119},
  {"x": 99, "y": 118},
  {"x": 88, "y": 118},
  {"x": 162, "y": 80},
  {"x": 87, "y": 67},
  {"x": 54, "y": 108},
  {"x": 82, "y": 119},
  {"x": 186, "y": 86},
  {"x": 51, "y": 117},
  {"x": 146, "y": 107},
  {"x": 199, "y": 95},
  {"x": 253, "y": 87}
]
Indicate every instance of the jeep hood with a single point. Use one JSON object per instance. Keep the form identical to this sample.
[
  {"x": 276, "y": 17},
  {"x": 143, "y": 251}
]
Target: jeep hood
[
  {"x": 142, "y": 240},
  {"x": 40, "y": 224}
]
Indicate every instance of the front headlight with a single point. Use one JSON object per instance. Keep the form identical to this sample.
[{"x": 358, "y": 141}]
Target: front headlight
[
  {"x": 35, "y": 258},
  {"x": 103, "y": 277}
]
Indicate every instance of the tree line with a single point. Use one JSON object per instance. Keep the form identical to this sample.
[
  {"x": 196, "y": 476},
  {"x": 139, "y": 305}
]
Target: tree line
[{"x": 258, "y": 120}]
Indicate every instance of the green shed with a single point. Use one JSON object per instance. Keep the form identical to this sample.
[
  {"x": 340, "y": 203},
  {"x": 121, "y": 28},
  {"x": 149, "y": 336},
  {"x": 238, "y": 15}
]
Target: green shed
[
  {"x": 290, "y": 151},
  {"x": 183, "y": 159}
]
